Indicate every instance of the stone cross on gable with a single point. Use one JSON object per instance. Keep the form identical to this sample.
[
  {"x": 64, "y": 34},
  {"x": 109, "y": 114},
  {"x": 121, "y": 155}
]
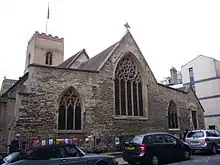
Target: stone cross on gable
[{"x": 127, "y": 26}]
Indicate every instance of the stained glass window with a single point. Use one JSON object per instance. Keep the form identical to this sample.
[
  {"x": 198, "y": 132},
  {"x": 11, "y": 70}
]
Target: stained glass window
[
  {"x": 69, "y": 117},
  {"x": 128, "y": 89}
]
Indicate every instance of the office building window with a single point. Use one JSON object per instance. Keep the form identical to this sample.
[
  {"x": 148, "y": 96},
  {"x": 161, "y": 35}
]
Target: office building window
[{"x": 191, "y": 76}]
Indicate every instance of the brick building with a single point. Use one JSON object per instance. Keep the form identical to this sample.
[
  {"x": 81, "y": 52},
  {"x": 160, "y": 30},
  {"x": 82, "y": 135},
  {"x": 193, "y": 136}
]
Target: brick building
[{"x": 114, "y": 93}]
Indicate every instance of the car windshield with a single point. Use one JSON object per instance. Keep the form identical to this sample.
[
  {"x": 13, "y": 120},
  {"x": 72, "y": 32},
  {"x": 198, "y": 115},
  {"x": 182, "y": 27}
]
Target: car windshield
[
  {"x": 31, "y": 153},
  {"x": 137, "y": 139},
  {"x": 195, "y": 134}
]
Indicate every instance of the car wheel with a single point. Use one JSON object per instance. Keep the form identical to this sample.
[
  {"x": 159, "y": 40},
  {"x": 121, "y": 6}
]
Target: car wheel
[
  {"x": 193, "y": 152},
  {"x": 131, "y": 163},
  {"x": 187, "y": 155},
  {"x": 155, "y": 160},
  {"x": 102, "y": 163},
  {"x": 214, "y": 149}
]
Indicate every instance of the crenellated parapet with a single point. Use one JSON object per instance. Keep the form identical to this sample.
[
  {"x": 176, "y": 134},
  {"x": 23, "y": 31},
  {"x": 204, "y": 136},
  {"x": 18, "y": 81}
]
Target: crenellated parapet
[{"x": 46, "y": 36}]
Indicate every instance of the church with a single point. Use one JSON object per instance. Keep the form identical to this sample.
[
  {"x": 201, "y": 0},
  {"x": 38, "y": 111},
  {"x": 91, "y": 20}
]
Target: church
[{"x": 112, "y": 94}]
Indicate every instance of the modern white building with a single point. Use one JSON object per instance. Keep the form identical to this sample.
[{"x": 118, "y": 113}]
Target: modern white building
[{"x": 203, "y": 73}]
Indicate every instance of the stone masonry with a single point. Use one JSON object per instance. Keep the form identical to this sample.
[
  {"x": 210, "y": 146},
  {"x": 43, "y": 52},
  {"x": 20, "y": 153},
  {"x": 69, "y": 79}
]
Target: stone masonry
[{"x": 37, "y": 108}]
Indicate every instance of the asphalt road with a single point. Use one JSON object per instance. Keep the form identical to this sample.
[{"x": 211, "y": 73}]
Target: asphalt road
[
  {"x": 198, "y": 159},
  {"x": 201, "y": 159}
]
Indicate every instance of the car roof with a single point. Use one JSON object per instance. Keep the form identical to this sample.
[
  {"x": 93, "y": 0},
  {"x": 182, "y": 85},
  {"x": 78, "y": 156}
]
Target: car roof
[
  {"x": 203, "y": 130},
  {"x": 154, "y": 133},
  {"x": 196, "y": 130}
]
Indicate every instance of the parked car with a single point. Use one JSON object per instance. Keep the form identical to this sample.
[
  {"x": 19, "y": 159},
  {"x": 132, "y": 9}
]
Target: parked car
[
  {"x": 2, "y": 155},
  {"x": 204, "y": 140},
  {"x": 11, "y": 158},
  {"x": 65, "y": 154},
  {"x": 155, "y": 148}
]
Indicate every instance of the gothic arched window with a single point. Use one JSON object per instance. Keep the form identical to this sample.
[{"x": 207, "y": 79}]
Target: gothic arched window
[
  {"x": 48, "y": 58},
  {"x": 194, "y": 119},
  {"x": 193, "y": 116},
  {"x": 172, "y": 115},
  {"x": 29, "y": 59},
  {"x": 69, "y": 117},
  {"x": 128, "y": 88}
]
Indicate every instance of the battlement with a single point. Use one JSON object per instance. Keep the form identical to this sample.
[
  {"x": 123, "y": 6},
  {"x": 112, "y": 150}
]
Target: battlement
[{"x": 45, "y": 36}]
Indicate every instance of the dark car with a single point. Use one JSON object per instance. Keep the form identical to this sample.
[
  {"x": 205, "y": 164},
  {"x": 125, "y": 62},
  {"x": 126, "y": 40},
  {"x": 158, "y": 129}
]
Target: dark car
[
  {"x": 65, "y": 154},
  {"x": 155, "y": 148}
]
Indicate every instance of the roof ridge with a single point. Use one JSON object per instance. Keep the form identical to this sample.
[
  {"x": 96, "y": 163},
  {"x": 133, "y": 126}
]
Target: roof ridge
[
  {"x": 95, "y": 62},
  {"x": 201, "y": 55},
  {"x": 113, "y": 50},
  {"x": 110, "y": 53},
  {"x": 19, "y": 80},
  {"x": 105, "y": 49},
  {"x": 63, "y": 64},
  {"x": 77, "y": 54}
]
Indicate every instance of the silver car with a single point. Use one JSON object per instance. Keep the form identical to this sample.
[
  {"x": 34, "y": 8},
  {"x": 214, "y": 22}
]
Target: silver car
[
  {"x": 204, "y": 140},
  {"x": 64, "y": 154}
]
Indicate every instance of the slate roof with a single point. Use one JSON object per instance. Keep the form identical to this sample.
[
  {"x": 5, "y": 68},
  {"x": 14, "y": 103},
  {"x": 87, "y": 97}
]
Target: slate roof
[
  {"x": 23, "y": 78},
  {"x": 183, "y": 89},
  {"x": 95, "y": 62},
  {"x": 6, "y": 84},
  {"x": 179, "y": 87},
  {"x": 69, "y": 61}
]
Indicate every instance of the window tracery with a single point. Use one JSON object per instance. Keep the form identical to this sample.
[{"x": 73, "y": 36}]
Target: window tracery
[
  {"x": 128, "y": 89},
  {"x": 69, "y": 117}
]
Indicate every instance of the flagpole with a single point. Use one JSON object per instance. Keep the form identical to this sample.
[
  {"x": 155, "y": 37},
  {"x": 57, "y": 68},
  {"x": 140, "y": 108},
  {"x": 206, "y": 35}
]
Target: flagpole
[
  {"x": 48, "y": 16},
  {"x": 46, "y": 26}
]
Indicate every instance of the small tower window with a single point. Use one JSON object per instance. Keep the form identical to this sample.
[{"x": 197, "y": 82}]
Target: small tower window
[
  {"x": 29, "y": 59},
  {"x": 48, "y": 59}
]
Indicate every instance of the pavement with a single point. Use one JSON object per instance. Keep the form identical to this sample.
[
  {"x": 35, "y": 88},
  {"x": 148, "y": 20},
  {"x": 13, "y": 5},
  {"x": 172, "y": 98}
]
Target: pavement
[
  {"x": 198, "y": 159},
  {"x": 121, "y": 161}
]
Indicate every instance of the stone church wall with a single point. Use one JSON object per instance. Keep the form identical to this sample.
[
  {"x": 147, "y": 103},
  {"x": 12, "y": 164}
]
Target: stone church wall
[
  {"x": 10, "y": 105},
  {"x": 3, "y": 126},
  {"x": 45, "y": 85},
  {"x": 158, "y": 98},
  {"x": 192, "y": 99}
]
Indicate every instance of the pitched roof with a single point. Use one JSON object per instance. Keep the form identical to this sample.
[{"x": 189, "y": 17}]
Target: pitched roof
[
  {"x": 23, "y": 78},
  {"x": 70, "y": 61},
  {"x": 95, "y": 62},
  {"x": 183, "y": 89},
  {"x": 6, "y": 84},
  {"x": 98, "y": 61},
  {"x": 180, "y": 87},
  {"x": 176, "y": 89},
  {"x": 190, "y": 87},
  {"x": 198, "y": 57}
]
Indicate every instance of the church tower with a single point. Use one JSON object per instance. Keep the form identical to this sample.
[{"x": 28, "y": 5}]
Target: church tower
[{"x": 44, "y": 49}]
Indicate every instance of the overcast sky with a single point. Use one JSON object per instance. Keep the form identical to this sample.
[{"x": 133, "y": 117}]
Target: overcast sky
[{"x": 168, "y": 32}]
